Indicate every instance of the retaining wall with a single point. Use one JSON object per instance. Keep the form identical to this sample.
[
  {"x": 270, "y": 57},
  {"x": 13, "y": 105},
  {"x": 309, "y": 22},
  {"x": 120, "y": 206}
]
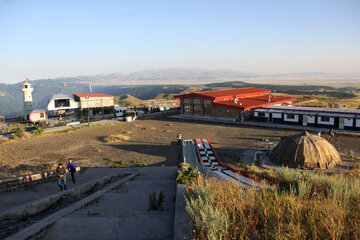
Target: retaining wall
[{"x": 27, "y": 181}]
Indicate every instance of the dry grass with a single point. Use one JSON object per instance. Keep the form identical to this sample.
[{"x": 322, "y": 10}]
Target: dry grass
[
  {"x": 116, "y": 138},
  {"x": 221, "y": 210}
]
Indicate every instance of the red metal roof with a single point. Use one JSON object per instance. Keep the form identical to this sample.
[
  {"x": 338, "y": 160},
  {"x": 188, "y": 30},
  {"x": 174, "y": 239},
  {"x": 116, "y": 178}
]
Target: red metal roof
[
  {"x": 92, "y": 95},
  {"x": 2, "y": 117},
  {"x": 227, "y": 94},
  {"x": 255, "y": 102}
]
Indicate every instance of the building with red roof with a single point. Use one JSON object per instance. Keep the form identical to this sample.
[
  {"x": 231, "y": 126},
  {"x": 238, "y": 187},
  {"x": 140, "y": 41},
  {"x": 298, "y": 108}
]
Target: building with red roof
[
  {"x": 229, "y": 103},
  {"x": 95, "y": 103}
]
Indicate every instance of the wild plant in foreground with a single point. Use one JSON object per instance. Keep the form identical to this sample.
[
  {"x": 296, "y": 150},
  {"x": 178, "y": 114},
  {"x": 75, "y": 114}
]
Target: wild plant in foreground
[{"x": 220, "y": 210}]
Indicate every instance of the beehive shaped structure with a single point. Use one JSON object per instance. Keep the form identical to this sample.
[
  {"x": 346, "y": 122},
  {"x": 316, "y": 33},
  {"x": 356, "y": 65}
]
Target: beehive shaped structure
[{"x": 307, "y": 151}]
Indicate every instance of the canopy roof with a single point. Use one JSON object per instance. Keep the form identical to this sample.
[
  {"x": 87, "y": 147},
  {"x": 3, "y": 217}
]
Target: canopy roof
[
  {"x": 305, "y": 151},
  {"x": 92, "y": 95}
]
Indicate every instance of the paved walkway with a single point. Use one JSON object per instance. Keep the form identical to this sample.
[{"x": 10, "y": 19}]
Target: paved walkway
[
  {"x": 10, "y": 200},
  {"x": 123, "y": 213}
]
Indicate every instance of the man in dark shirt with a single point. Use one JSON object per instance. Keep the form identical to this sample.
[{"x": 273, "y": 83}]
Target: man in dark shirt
[
  {"x": 61, "y": 173},
  {"x": 71, "y": 167}
]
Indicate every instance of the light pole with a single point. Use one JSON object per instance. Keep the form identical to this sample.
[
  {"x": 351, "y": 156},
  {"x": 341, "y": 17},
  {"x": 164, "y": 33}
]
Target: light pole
[{"x": 87, "y": 104}]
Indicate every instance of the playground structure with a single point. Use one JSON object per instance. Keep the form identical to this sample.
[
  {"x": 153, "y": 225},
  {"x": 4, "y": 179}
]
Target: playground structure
[{"x": 200, "y": 153}]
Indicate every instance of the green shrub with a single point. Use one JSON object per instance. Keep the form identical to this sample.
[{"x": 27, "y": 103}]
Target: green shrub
[
  {"x": 156, "y": 204},
  {"x": 288, "y": 175},
  {"x": 39, "y": 131},
  {"x": 82, "y": 119},
  {"x": 61, "y": 123},
  {"x": 186, "y": 174},
  {"x": 19, "y": 132}
]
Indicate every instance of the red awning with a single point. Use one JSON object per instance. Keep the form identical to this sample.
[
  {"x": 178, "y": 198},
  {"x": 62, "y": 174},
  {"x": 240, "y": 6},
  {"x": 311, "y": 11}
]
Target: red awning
[{"x": 92, "y": 95}]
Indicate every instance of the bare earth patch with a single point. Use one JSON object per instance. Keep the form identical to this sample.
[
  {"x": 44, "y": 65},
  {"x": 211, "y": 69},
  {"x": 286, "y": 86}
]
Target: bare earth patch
[
  {"x": 116, "y": 138},
  {"x": 155, "y": 147}
]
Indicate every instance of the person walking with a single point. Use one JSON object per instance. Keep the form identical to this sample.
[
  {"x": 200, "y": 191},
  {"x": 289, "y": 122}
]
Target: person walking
[
  {"x": 331, "y": 134},
  {"x": 179, "y": 138},
  {"x": 61, "y": 173},
  {"x": 319, "y": 133},
  {"x": 71, "y": 167}
]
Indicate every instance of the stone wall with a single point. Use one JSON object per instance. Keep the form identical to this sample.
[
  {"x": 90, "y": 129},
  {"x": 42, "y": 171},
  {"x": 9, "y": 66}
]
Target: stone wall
[{"x": 27, "y": 181}]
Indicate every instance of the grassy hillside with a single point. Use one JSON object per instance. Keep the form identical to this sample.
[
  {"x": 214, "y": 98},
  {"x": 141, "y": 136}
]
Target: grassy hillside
[{"x": 127, "y": 100}]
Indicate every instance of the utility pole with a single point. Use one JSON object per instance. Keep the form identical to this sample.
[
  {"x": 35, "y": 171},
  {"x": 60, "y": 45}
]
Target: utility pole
[{"x": 87, "y": 101}]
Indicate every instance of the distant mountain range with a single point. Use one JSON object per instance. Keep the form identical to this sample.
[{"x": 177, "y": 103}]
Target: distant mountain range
[{"x": 151, "y": 84}]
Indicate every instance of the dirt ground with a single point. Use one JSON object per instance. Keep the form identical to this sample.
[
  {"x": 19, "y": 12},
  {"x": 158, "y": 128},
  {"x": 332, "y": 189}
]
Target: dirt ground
[{"x": 152, "y": 141}]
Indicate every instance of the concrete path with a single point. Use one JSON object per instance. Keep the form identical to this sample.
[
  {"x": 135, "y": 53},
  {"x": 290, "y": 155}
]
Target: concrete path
[
  {"x": 123, "y": 213},
  {"x": 10, "y": 200}
]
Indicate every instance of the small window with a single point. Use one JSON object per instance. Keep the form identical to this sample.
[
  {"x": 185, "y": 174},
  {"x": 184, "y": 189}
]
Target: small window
[
  {"x": 261, "y": 114},
  {"x": 198, "y": 108},
  {"x": 227, "y": 110},
  {"x": 207, "y": 108},
  {"x": 187, "y": 107},
  {"x": 325, "y": 119},
  {"x": 41, "y": 115},
  {"x": 25, "y": 86},
  {"x": 290, "y": 116}
]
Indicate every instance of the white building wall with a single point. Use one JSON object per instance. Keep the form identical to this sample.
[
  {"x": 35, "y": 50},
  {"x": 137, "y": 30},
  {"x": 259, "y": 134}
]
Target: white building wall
[
  {"x": 276, "y": 115},
  {"x": 51, "y": 105},
  {"x": 96, "y": 102},
  {"x": 348, "y": 122},
  {"x": 357, "y": 123},
  {"x": 311, "y": 119},
  {"x": 295, "y": 119}
]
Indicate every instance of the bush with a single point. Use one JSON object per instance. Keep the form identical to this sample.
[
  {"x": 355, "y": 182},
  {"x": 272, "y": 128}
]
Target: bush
[
  {"x": 156, "y": 204},
  {"x": 116, "y": 138},
  {"x": 19, "y": 132},
  {"x": 39, "y": 131},
  {"x": 123, "y": 164},
  {"x": 61, "y": 123},
  {"x": 97, "y": 117},
  {"x": 221, "y": 210},
  {"x": 288, "y": 175},
  {"x": 82, "y": 119},
  {"x": 186, "y": 174}
]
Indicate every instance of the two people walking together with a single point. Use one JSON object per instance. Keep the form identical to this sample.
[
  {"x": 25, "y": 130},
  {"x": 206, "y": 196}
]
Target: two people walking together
[{"x": 61, "y": 173}]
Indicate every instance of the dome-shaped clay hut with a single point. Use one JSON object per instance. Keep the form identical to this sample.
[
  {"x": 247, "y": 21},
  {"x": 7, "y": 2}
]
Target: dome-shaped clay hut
[{"x": 305, "y": 151}]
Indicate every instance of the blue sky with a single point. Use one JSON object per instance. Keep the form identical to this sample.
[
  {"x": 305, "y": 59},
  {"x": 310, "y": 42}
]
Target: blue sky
[{"x": 46, "y": 39}]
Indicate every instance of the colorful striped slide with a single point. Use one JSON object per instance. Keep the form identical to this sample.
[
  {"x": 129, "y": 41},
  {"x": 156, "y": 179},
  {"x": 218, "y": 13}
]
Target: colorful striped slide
[{"x": 208, "y": 161}]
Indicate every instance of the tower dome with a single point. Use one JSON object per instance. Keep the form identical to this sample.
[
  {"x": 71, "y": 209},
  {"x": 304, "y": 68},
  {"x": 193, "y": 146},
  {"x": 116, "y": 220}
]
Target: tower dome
[{"x": 305, "y": 151}]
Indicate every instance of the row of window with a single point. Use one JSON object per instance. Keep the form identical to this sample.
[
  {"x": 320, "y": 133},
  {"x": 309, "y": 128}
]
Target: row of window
[
  {"x": 198, "y": 108},
  {"x": 292, "y": 116}
]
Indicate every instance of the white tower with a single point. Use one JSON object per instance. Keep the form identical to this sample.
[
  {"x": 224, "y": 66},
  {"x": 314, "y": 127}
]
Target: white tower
[{"x": 28, "y": 107}]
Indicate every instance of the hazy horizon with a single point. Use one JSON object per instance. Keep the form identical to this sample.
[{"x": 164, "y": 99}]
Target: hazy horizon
[{"x": 45, "y": 39}]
